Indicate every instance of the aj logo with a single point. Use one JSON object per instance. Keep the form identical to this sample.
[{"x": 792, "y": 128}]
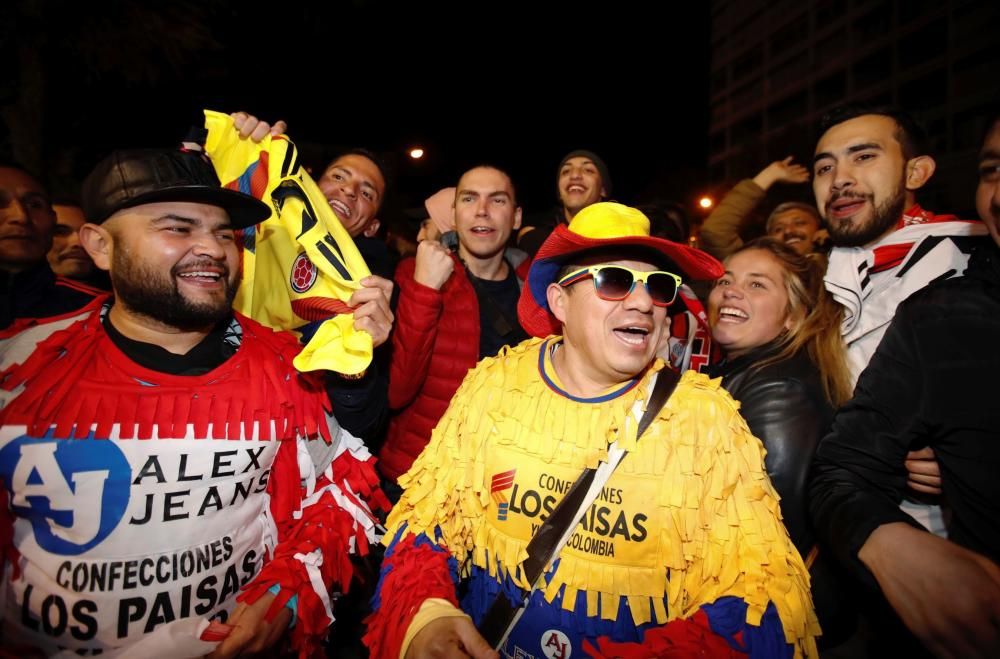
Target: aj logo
[
  {"x": 72, "y": 491},
  {"x": 556, "y": 645}
]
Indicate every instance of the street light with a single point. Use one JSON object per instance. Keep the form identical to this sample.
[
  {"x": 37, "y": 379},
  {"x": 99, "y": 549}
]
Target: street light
[
  {"x": 417, "y": 153},
  {"x": 706, "y": 202}
]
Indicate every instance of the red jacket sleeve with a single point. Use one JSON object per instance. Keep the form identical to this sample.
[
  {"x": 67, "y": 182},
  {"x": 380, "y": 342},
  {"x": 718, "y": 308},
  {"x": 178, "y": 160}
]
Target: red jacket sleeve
[{"x": 417, "y": 314}]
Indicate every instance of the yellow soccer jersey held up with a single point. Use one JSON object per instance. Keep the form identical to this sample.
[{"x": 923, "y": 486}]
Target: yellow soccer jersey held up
[
  {"x": 688, "y": 517},
  {"x": 300, "y": 266}
]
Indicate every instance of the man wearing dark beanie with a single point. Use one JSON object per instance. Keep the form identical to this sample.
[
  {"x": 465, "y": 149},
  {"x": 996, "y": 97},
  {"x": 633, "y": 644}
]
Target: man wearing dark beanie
[{"x": 582, "y": 179}]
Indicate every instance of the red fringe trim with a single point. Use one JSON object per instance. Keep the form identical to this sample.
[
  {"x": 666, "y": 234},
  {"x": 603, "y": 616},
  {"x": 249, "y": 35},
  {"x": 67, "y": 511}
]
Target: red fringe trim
[
  {"x": 284, "y": 484},
  {"x": 76, "y": 379},
  {"x": 412, "y": 574},
  {"x": 362, "y": 479},
  {"x": 679, "y": 639},
  {"x": 324, "y": 526}
]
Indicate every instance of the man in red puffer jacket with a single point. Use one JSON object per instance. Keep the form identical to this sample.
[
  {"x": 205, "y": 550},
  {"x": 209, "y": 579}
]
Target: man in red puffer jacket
[{"x": 454, "y": 309}]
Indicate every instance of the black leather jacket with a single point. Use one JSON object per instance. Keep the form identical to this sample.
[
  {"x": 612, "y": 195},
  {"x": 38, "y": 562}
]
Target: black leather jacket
[
  {"x": 786, "y": 409},
  {"x": 932, "y": 382}
]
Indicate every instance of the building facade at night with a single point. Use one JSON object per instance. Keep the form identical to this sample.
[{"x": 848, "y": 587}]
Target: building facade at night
[{"x": 776, "y": 67}]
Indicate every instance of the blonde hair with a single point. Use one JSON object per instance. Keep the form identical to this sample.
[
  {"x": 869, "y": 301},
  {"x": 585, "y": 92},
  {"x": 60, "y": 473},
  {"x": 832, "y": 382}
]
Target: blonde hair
[{"x": 816, "y": 318}]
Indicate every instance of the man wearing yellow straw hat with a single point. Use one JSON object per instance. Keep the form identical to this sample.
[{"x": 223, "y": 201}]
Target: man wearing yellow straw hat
[{"x": 673, "y": 543}]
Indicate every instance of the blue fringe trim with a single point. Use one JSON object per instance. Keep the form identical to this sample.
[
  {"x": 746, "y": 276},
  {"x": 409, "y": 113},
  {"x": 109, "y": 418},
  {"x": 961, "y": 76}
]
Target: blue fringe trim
[
  {"x": 483, "y": 590},
  {"x": 727, "y": 617}
]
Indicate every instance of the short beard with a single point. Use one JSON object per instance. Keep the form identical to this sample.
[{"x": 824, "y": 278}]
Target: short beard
[
  {"x": 148, "y": 293},
  {"x": 884, "y": 217}
]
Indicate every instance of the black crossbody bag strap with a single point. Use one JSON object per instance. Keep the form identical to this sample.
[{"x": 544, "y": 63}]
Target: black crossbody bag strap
[{"x": 502, "y": 613}]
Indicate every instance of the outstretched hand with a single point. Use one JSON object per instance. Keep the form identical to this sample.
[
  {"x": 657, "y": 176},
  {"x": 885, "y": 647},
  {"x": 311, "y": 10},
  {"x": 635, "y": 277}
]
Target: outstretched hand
[{"x": 781, "y": 171}]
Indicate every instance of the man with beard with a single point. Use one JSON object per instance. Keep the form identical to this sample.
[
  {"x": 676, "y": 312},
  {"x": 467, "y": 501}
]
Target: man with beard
[
  {"x": 868, "y": 167},
  {"x": 925, "y": 386},
  {"x": 239, "y": 504},
  {"x": 869, "y": 164}
]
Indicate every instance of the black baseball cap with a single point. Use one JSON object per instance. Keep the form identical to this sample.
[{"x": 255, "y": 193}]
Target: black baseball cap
[{"x": 130, "y": 178}]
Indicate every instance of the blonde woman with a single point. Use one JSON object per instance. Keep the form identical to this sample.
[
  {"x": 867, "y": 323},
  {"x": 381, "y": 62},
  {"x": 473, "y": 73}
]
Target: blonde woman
[{"x": 785, "y": 361}]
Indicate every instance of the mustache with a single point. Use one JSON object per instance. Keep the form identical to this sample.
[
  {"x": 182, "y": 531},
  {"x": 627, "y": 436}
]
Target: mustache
[
  {"x": 847, "y": 194},
  {"x": 74, "y": 252}
]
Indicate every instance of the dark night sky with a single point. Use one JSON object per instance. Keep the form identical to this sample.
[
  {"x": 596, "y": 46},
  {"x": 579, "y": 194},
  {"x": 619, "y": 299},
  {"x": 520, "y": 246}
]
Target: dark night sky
[{"x": 482, "y": 85}]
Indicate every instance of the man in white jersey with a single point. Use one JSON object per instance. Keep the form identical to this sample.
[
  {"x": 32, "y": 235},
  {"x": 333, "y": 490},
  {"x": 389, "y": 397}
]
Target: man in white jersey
[
  {"x": 869, "y": 164},
  {"x": 171, "y": 485}
]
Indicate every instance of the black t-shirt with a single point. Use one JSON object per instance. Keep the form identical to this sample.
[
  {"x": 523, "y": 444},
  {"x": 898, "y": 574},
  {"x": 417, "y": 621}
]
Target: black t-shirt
[
  {"x": 38, "y": 293},
  {"x": 498, "y": 324},
  {"x": 210, "y": 352}
]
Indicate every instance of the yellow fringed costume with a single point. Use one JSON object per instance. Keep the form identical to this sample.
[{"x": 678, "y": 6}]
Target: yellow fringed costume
[
  {"x": 300, "y": 266},
  {"x": 688, "y": 522}
]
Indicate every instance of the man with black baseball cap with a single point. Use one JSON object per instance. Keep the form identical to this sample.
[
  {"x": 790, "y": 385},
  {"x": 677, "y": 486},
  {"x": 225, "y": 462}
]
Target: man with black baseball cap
[
  {"x": 181, "y": 544},
  {"x": 169, "y": 207}
]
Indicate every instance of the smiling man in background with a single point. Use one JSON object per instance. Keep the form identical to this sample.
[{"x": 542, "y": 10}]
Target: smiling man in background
[
  {"x": 67, "y": 257},
  {"x": 925, "y": 387},
  {"x": 28, "y": 287},
  {"x": 582, "y": 179},
  {"x": 354, "y": 184}
]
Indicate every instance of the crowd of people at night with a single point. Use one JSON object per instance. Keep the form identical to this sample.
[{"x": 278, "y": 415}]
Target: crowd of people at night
[{"x": 602, "y": 430}]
